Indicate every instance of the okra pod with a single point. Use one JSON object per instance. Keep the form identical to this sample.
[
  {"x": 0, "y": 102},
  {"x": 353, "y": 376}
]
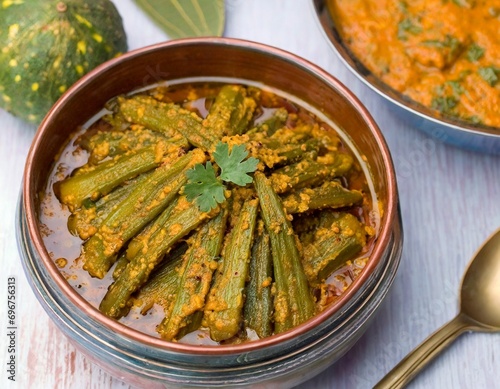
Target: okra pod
[
  {"x": 177, "y": 220},
  {"x": 295, "y": 151},
  {"x": 111, "y": 143},
  {"x": 151, "y": 113},
  {"x": 293, "y": 302},
  {"x": 120, "y": 265},
  {"x": 308, "y": 172},
  {"x": 132, "y": 214},
  {"x": 231, "y": 111},
  {"x": 193, "y": 323},
  {"x": 271, "y": 124},
  {"x": 273, "y": 152},
  {"x": 330, "y": 194},
  {"x": 85, "y": 221},
  {"x": 168, "y": 118},
  {"x": 99, "y": 180},
  {"x": 341, "y": 240},
  {"x": 163, "y": 283},
  {"x": 224, "y": 307},
  {"x": 195, "y": 276},
  {"x": 258, "y": 310},
  {"x": 283, "y": 136}
]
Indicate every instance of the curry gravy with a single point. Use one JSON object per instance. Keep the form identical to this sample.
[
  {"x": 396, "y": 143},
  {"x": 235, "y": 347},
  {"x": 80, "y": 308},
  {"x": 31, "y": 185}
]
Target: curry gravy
[{"x": 444, "y": 54}]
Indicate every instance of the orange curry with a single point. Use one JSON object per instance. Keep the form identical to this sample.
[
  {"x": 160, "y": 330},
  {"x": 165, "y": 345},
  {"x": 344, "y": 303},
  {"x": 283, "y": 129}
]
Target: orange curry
[{"x": 444, "y": 54}]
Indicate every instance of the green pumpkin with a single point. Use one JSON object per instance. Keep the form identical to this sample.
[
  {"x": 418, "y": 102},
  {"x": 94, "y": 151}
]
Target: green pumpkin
[{"x": 47, "y": 45}]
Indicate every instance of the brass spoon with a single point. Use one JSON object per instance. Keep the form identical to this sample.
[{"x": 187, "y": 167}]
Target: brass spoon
[{"x": 480, "y": 311}]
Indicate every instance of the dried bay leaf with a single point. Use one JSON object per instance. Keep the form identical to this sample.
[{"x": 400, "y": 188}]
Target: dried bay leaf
[{"x": 186, "y": 18}]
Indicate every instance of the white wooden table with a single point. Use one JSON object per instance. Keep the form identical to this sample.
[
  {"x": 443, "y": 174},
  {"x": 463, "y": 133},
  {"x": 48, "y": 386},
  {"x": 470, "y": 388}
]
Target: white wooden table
[{"x": 450, "y": 201}]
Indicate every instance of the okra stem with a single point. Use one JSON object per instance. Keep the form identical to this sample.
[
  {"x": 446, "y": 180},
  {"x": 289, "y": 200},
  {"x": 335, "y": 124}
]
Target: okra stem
[
  {"x": 329, "y": 195},
  {"x": 193, "y": 322},
  {"x": 176, "y": 221},
  {"x": 99, "y": 180},
  {"x": 195, "y": 276},
  {"x": 272, "y": 153},
  {"x": 293, "y": 302},
  {"x": 111, "y": 143},
  {"x": 334, "y": 244},
  {"x": 170, "y": 119},
  {"x": 133, "y": 213},
  {"x": 85, "y": 221},
  {"x": 308, "y": 172},
  {"x": 270, "y": 125},
  {"x": 163, "y": 282},
  {"x": 231, "y": 111},
  {"x": 258, "y": 309},
  {"x": 223, "y": 310}
]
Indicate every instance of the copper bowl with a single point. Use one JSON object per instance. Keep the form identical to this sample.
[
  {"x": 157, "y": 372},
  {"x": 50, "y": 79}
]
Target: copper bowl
[{"x": 282, "y": 360}]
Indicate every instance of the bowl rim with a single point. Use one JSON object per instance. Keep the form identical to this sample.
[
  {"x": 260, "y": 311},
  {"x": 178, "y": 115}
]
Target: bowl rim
[
  {"x": 327, "y": 26},
  {"x": 380, "y": 246}
]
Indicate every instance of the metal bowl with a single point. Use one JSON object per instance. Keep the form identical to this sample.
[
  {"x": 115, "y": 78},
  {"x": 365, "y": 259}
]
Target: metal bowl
[
  {"x": 452, "y": 131},
  {"x": 282, "y": 360}
]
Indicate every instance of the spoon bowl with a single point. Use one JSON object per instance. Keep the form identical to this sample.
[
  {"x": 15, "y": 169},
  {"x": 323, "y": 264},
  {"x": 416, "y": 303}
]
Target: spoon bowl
[
  {"x": 479, "y": 311},
  {"x": 480, "y": 294}
]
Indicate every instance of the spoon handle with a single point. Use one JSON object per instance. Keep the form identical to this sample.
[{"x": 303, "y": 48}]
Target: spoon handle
[{"x": 416, "y": 360}]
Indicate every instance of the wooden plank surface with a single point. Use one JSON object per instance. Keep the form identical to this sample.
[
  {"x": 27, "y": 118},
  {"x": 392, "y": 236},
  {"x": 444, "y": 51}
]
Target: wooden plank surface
[{"x": 450, "y": 202}]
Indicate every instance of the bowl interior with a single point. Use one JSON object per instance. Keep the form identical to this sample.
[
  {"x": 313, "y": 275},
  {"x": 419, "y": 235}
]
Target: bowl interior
[{"x": 211, "y": 57}]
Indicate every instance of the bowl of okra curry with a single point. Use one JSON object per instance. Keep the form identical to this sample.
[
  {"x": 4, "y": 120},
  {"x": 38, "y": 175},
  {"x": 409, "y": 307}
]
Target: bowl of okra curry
[
  {"x": 210, "y": 212},
  {"x": 436, "y": 61}
]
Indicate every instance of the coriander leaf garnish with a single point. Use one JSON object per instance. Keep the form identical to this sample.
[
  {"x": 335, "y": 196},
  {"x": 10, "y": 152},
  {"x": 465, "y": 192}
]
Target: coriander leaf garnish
[
  {"x": 204, "y": 187},
  {"x": 456, "y": 87},
  {"x": 489, "y": 74},
  {"x": 474, "y": 52},
  {"x": 408, "y": 26},
  {"x": 234, "y": 167},
  {"x": 445, "y": 104},
  {"x": 449, "y": 42}
]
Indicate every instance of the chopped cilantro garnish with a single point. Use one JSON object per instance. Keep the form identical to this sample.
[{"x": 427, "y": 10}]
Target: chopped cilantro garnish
[
  {"x": 448, "y": 42},
  {"x": 445, "y": 104},
  {"x": 474, "y": 52},
  {"x": 407, "y": 26},
  {"x": 489, "y": 74},
  {"x": 456, "y": 87},
  {"x": 449, "y": 45}
]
